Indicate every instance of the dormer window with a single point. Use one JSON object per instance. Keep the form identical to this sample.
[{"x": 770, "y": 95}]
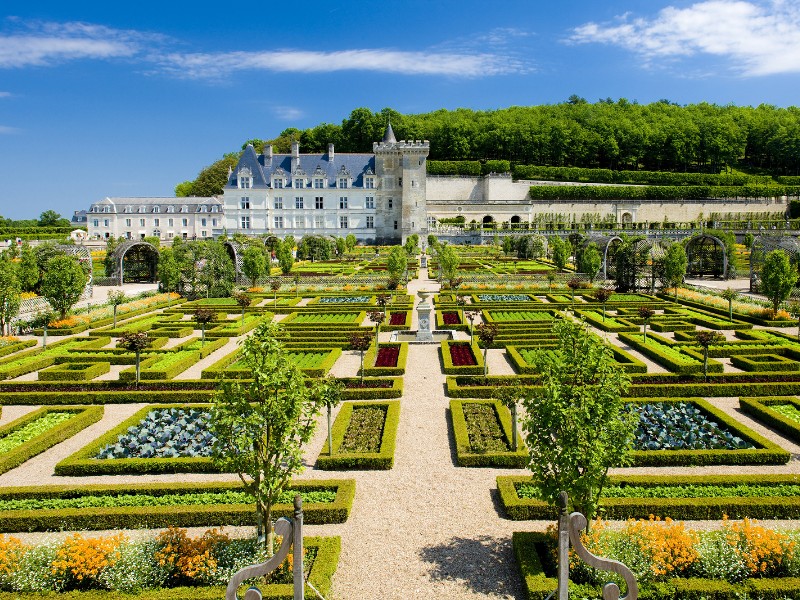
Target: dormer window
[
  {"x": 156, "y": 209},
  {"x": 170, "y": 209},
  {"x": 201, "y": 208},
  {"x": 342, "y": 182},
  {"x": 299, "y": 183},
  {"x": 277, "y": 183},
  {"x": 184, "y": 209},
  {"x": 245, "y": 178},
  {"x": 369, "y": 183},
  {"x": 142, "y": 209},
  {"x": 215, "y": 208},
  {"x": 319, "y": 183}
]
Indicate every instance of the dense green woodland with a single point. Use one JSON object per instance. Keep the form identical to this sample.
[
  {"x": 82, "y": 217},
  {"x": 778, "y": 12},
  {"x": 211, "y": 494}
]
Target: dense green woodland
[{"x": 613, "y": 135}]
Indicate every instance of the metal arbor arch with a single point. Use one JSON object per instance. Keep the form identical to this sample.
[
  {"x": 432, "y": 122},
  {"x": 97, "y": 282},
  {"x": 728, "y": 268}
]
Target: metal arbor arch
[
  {"x": 706, "y": 255},
  {"x": 234, "y": 250},
  {"x": 639, "y": 265},
  {"x": 135, "y": 261},
  {"x": 762, "y": 246},
  {"x": 608, "y": 246}
]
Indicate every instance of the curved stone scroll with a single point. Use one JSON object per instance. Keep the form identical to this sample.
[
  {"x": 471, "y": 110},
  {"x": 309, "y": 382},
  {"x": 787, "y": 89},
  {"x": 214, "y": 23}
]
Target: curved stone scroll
[
  {"x": 577, "y": 523},
  {"x": 283, "y": 528}
]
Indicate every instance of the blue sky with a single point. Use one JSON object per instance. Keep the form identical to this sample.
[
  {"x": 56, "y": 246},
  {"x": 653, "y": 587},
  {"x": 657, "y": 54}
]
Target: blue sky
[{"x": 116, "y": 98}]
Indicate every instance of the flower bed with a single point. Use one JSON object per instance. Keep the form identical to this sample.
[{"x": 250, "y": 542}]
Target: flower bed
[
  {"x": 462, "y": 355},
  {"x": 461, "y": 358},
  {"x": 387, "y": 356},
  {"x": 765, "y": 362},
  {"x": 451, "y": 317},
  {"x": 503, "y": 297},
  {"x": 397, "y": 318},
  {"x": 503, "y": 316},
  {"x": 74, "y": 371},
  {"x": 483, "y": 434},
  {"x": 147, "y": 505},
  {"x": 390, "y": 359},
  {"x": 344, "y": 299},
  {"x": 364, "y": 436}
]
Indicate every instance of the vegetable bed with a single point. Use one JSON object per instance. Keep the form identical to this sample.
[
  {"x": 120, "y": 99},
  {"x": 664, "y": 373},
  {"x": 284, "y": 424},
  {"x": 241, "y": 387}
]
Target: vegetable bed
[
  {"x": 482, "y": 432},
  {"x": 364, "y": 435}
]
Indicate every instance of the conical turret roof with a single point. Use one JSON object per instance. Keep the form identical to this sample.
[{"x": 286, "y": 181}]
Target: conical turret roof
[{"x": 388, "y": 135}]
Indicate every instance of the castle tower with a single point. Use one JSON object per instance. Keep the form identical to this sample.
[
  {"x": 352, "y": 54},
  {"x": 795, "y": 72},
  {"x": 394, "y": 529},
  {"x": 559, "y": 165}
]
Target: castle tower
[{"x": 401, "y": 208}]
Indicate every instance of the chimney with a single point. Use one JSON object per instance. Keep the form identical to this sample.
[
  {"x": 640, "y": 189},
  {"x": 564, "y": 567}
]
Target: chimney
[
  {"x": 295, "y": 155},
  {"x": 268, "y": 151},
  {"x": 331, "y": 154}
]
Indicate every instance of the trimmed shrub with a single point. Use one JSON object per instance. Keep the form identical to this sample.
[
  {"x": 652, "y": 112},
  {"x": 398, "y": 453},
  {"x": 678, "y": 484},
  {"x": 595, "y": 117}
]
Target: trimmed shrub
[{"x": 383, "y": 459}]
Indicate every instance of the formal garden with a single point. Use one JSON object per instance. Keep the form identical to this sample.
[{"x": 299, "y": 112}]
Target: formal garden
[{"x": 148, "y": 444}]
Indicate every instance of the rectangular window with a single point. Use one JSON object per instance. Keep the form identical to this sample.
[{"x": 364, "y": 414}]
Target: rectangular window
[
  {"x": 319, "y": 183},
  {"x": 342, "y": 201},
  {"x": 370, "y": 222},
  {"x": 342, "y": 182},
  {"x": 298, "y": 202},
  {"x": 127, "y": 223},
  {"x": 369, "y": 183},
  {"x": 400, "y": 181},
  {"x": 319, "y": 222},
  {"x": 278, "y": 202},
  {"x": 245, "y": 222},
  {"x": 319, "y": 202},
  {"x": 299, "y": 223},
  {"x": 278, "y": 222},
  {"x": 202, "y": 222},
  {"x": 342, "y": 222},
  {"x": 156, "y": 209},
  {"x": 370, "y": 202},
  {"x": 244, "y": 204},
  {"x": 171, "y": 235},
  {"x": 169, "y": 222},
  {"x": 395, "y": 224},
  {"x": 299, "y": 183},
  {"x": 390, "y": 202},
  {"x": 186, "y": 222},
  {"x": 96, "y": 222},
  {"x": 105, "y": 222},
  {"x": 203, "y": 233},
  {"x": 213, "y": 222},
  {"x": 277, "y": 183},
  {"x": 245, "y": 182},
  {"x": 141, "y": 222},
  {"x": 157, "y": 222}
]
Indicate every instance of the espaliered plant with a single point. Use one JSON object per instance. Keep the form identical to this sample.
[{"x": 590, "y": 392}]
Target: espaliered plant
[
  {"x": 602, "y": 295},
  {"x": 486, "y": 333},
  {"x": 705, "y": 339},
  {"x": 573, "y": 284},
  {"x": 203, "y": 316},
  {"x": 361, "y": 342},
  {"x": 135, "y": 341},
  {"x": 115, "y": 298},
  {"x": 471, "y": 316},
  {"x": 330, "y": 392},
  {"x": 275, "y": 285},
  {"x": 730, "y": 295},
  {"x": 646, "y": 313}
]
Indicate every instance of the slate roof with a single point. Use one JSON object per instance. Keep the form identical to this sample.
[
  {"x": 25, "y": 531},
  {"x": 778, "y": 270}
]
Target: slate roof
[{"x": 262, "y": 168}]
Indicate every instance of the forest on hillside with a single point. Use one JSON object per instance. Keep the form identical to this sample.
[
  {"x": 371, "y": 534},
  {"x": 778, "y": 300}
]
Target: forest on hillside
[{"x": 619, "y": 135}]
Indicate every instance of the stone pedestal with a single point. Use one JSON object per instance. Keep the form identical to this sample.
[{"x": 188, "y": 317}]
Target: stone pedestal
[
  {"x": 424, "y": 318},
  {"x": 423, "y": 262}
]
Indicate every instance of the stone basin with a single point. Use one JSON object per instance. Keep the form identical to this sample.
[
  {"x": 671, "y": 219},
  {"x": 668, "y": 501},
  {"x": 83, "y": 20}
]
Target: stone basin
[{"x": 439, "y": 335}]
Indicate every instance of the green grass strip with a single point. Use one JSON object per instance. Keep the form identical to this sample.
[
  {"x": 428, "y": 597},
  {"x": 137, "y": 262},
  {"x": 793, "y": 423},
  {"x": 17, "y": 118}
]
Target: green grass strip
[{"x": 687, "y": 491}]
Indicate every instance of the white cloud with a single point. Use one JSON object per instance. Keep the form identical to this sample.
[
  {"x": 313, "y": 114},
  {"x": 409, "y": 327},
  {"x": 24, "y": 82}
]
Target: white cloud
[
  {"x": 6, "y": 130},
  {"x": 5, "y": 94},
  {"x": 287, "y": 113},
  {"x": 218, "y": 65},
  {"x": 45, "y": 44},
  {"x": 757, "y": 37}
]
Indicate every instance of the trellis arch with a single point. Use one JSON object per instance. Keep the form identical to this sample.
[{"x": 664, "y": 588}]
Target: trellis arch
[
  {"x": 706, "y": 255},
  {"x": 608, "y": 246},
  {"x": 762, "y": 246},
  {"x": 234, "y": 250},
  {"x": 135, "y": 261},
  {"x": 640, "y": 267}
]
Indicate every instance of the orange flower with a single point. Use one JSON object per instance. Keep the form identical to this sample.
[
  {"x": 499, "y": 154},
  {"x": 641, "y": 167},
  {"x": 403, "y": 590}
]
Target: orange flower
[
  {"x": 11, "y": 551},
  {"x": 188, "y": 558},
  {"x": 82, "y": 559}
]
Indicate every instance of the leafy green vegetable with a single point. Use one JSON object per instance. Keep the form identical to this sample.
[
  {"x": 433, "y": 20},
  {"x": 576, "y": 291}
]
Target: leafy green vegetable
[{"x": 33, "y": 429}]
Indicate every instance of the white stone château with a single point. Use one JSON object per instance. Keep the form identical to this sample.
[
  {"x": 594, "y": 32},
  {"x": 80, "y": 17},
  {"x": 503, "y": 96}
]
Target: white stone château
[
  {"x": 164, "y": 218},
  {"x": 378, "y": 197}
]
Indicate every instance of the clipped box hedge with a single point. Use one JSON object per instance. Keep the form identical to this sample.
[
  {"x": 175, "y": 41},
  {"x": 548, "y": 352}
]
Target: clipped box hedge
[
  {"x": 75, "y": 371},
  {"x": 16, "y": 347},
  {"x": 467, "y": 457},
  {"x": 710, "y": 508},
  {"x": 687, "y": 363},
  {"x": 627, "y": 361},
  {"x": 36, "y": 397},
  {"x": 220, "y": 370},
  {"x": 447, "y": 361},
  {"x": 539, "y": 586},
  {"x": 765, "y": 362},
  {"x": 84, "y": 416},
  {"x": 149, "y": 517},
  {"x": 148, "y": 369},
  {"x": 395, "y": 390},
  {"x": 381, "y": 460},
  {"x": 370, "y": 356},
  {"x": 761, "y": 410},
  {"x": 83, "y": 462}
]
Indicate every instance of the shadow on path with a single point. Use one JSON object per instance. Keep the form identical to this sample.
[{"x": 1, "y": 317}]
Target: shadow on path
[{"x": 484, "y": 564}]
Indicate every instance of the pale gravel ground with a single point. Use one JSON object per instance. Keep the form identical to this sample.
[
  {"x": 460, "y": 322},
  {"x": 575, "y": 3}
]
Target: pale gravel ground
[{"x": 425, "y": 529}]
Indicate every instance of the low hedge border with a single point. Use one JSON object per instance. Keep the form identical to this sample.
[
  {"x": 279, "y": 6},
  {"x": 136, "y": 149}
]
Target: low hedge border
[
  {"x": 321, "y": 577},
  {"x": 370, "y": 356},
  {"x": 596, "y": 320},
  {"x": 447, "y": 361},
  {"x": 723, "y": 312},
  {"x": 760, "y": 409},
  {"x": 775, "y": 363},
  {"x": 440, "y": 324},
  {"x": 382, "y": 460},
  {"x": 735, "y": 507},
  {"x": 146, "y": 372},
  {"x": 55, "y": 398},
  {"x": 83, "y": 462},
  {"x": 467, "y": 458},
  {"x": 539, "y": 586},
  {"x": 395, "y": 391},
  {"x": 75, "y": 371},
  {"x": 651, "y": 350},
  {"x": 361, "y": 315},
  {"x": 150, "y": 517},
  {"x": 627, "y": 361},
  {"x": 404, "y": 327},
  {"x": 84, "y": 416},
  {"x": 219, "y": 370},
  {"x": 16, "y": 346},
  {"x": 9, "y": 372}
]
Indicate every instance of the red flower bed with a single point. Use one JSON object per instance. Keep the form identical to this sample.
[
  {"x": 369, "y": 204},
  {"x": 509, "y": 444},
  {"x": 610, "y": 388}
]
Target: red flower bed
[
  {"x": 397, "y": 318},
  {"x": 387, "y": 356},
  {"x": 462, "y": 356},
  {"x": 451, "y": 318}
]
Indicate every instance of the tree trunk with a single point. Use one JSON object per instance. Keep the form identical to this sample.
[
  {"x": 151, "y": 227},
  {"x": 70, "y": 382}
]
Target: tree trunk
[
  {"x": 115, "y": 317},
  {"x": 514, "y": 427},
  {"x": 137, "y": 368},
  {"x": 330, "y": 432},
  {"x": 485, "y": 361}
]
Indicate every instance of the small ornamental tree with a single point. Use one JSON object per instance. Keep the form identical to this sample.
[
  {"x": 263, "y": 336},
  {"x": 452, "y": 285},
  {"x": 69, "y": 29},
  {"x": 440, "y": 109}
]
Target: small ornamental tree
[
  {"x": 254, "y": 263},
  {"x": 260, "y": 426},
  {"x": 115, "y": 298},
  {"x": 350, "y": 242},
  {"x": 42, "y": 319},
  {"x": 674, "y": 264},
  {"x": 705, "y": 339},
  {"x": 63, "y": 283},
  {"x": 448, "y": 262},
  {"x": 558, "y": 252},
  {"x": 510, "y": 396},
  {"x": 486, "y": 334},
  {"x": 730, "y": 295},
  {"x": 602, "y": 295},
  {"x": 646, "y": 313},
  {"x": 243, "y": 300},
  {"x": 590, "y": 261},
  {"x": 382, "y": 300},
  {"x": 202, "y": 316},
  {"x": 330, "y": 393},
  {"x": 396, "y": 264},
  {"x": 10, "y": 299},
  {"x": 275, "y": 285},
  {"x": 285, "y": 257},
  {"x": 573, "y": 284},
  {"x": 471, "y": 316},
  {"x": 576, "y": 425},
  {"x": 778, "y": 277},
  {"x": 361, "y": 342},
  {"x": 169, "y": 272},
  {"x": 135, "y": 341},
  {"x": 551, "y": 277},
  {"x": 377, "y": 317}
]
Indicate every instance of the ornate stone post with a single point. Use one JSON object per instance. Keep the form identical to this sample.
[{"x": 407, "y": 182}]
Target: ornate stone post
[{"x": 424, "y": 318}]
